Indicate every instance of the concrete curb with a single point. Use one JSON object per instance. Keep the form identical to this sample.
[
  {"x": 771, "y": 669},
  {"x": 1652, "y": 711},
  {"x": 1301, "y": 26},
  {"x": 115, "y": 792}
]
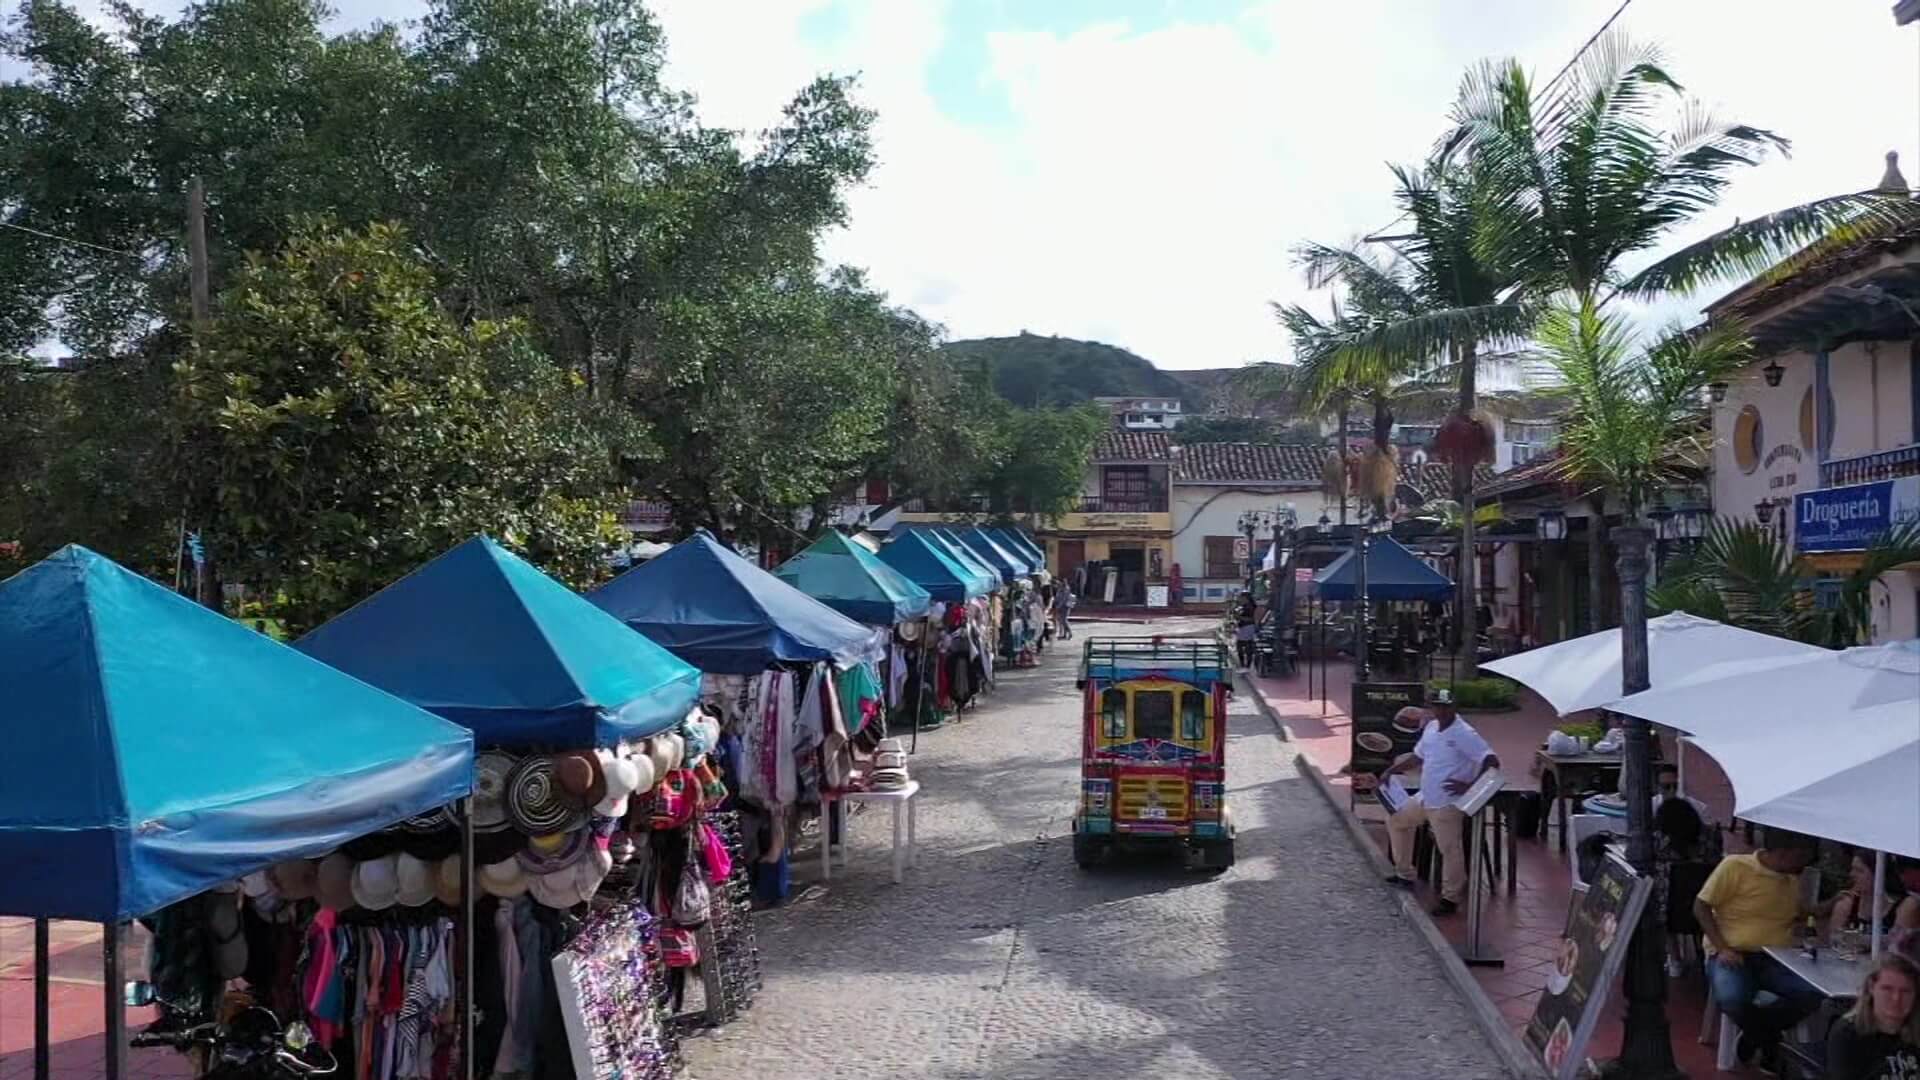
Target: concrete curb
[{"x": 1514, "y": 1054}]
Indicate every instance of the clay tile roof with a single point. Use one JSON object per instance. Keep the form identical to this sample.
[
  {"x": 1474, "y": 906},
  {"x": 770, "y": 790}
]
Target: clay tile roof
[
  {"x": 1133, "y": 446},
  {"x": 1224, "y": 462},
  {"x": 1434, "y": 480},
  {"x": 1542, "y": 470}
]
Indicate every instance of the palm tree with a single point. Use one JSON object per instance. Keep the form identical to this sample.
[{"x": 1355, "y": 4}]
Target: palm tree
[
  {"x": 1744, "y": 574},
  {"x": 1629, "y": 408},
  {"x": 1429, "y": 316}
]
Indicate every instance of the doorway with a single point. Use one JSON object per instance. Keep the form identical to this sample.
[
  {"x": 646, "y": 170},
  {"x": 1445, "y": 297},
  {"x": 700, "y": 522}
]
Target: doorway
[
  {"x": 1130, "y": 560},
  {"x": 1069, "y": 556}
]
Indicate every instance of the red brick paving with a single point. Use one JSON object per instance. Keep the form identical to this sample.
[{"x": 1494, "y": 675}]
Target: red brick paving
[
  {"x": 77, "y": 1005},
  {"x": 1524, "y": 927}
]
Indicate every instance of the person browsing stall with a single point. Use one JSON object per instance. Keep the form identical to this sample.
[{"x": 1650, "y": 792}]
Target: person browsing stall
[
  {"x": 1879, "y": 1039},
  {"x": 1450, "y": 755},
  {"x": 1749, "y": 903}
]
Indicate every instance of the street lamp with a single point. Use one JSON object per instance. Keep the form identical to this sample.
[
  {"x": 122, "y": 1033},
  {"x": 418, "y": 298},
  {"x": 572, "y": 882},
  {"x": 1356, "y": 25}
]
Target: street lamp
[
  {"x": 1326, "y": 523},
  {"x": 1551, "y": 524},
  {"x": 1717, "y": 391},
  {"x": 1663, "y": 525},
  {"x": 1764, "y": 511},
  {"x": 1690, "y": 521},
  {"x": 1773, "y": 372}
]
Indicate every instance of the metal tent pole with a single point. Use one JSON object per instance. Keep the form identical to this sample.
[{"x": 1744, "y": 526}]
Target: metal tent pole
[
  {"x": 42, "y": 1033},
  {"x": 1873, "y": 906},
  {"x": 116, "y": 1003},
  {"x": 463, "y": 985}
]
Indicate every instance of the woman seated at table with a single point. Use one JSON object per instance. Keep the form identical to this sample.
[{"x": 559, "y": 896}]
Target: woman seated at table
[
  {"x": 1879, "y": 1039},
  {"x": 1896, "y": 909}
]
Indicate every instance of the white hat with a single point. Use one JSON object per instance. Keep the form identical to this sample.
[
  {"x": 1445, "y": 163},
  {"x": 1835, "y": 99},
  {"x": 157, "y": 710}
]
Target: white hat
[
  {"x": 677, "y": 747},
  {"x": 556, "y": 890},
  {"x": 256, "y": 884},
  {"x": 504, "y": 879},
  {"x": 660, "y": 753},
  {"x": 645, "y": 776},
  {"x": 376, "y": 883},
  {"x": 621, "y": 773},
  {"x": 611, "y": 807},
  {"x": 416, "y": 880}
]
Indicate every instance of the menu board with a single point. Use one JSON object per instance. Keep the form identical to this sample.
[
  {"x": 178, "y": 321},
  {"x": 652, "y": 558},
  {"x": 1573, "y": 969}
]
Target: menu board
[
  {"x": 1376, "y": 740},
  {"x": 1589, "y": 959}
]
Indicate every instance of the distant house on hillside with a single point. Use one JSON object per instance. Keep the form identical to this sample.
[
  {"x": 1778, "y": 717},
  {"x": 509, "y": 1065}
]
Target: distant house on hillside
[{"x": 1143, "y": 413}]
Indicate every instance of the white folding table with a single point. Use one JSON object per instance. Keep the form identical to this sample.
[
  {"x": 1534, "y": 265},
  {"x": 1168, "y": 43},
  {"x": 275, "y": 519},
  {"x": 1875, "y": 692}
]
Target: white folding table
[{"x": 903, "y": 799}]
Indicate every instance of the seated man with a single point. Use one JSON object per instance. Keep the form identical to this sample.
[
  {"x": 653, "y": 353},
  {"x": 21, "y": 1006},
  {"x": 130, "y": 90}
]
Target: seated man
[
  {"x": 1666, "y": 785},
  {"x": 1450, "y": 756},
  {"x": 1748, "y": 903}
]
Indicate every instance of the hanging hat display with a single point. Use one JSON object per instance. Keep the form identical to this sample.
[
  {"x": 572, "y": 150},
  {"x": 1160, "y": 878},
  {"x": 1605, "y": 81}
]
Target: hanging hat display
[
  {"x": 415, "y": 880},
  {"x": 432, "y": 820},
  {"x": 676, "y": 749},
  {"x": 581, "y": 776},
  {"x": 256, "y": 884},
  {"x": 490, "y": 773},
  {"x": 535, "y": 802},
  {"x": 499, "y": 846},
  {"x": 660, "y": 756},
  {"x": 503, "y": 879},
  {"x": 333, "y": 882},
  {"x": 295, "y": 879},
  {"x": 557, "y": 851}
]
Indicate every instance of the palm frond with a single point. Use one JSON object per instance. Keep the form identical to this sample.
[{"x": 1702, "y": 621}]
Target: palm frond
[{"x": 1778, "y": 244}]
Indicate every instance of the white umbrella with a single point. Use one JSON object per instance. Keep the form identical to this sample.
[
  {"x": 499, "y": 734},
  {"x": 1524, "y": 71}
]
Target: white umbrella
[
  {"x": 1584, "y": 673},
  {"x": 1827, "y": 744}
]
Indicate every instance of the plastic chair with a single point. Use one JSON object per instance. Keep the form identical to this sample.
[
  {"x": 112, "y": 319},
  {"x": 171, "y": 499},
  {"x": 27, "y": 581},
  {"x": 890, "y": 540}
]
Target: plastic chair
[{"x": 1726, "y": 1056}]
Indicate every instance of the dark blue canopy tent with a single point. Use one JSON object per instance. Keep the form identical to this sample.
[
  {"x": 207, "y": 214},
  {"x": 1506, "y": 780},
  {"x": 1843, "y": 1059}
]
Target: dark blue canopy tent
[
  {"x": 1017, "y": 540},
  {"x": 1011, "y": 567},
  {"x": 854, "y": 582},
  {"x": 964, "y": 555},
  {"x": 722, "y": 614},
  {"x": 482, "y": 638},
  {"x": 1393, "y": 573},
  {"x": 924, "y": 560},
  {"x": 158, "y": 748}
]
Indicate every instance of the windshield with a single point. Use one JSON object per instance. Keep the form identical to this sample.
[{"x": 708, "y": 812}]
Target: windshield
[{"x": 1153, "y": 714}]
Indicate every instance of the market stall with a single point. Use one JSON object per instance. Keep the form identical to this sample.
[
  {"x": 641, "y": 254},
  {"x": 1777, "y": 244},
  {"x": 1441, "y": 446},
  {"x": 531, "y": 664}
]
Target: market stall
[
  {"x": 961, "y": 647},
  {"x": 791, "y": 679},
  {"x": 593, "y": 795},
  {"x": 167, "y": 750},
  {"x": 853, "y": 581}
]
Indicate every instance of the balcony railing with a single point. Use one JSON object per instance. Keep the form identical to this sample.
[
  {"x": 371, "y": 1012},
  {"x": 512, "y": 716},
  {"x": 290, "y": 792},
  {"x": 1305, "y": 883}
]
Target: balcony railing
[
  {"x": 1865, "y": 469},
  {"x": 1094, "y": 504}
]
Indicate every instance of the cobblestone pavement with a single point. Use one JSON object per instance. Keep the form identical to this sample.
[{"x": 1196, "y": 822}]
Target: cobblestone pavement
[{"x": 999, "y": 958}]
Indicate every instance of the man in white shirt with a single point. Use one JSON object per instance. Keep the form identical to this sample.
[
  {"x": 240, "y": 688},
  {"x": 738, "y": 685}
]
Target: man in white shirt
[{"x": 1450, "y": 756}]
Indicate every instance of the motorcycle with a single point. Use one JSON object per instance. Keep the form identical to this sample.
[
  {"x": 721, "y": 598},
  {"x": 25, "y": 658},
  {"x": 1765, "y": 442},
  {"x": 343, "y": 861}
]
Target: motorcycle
[{"x": 252, "y": 1045}]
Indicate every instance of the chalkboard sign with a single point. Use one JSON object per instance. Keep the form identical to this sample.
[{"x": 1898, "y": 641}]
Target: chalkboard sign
[
  {"x": 1376, "y": 740},
  {"x": 1587, "y": 963}
]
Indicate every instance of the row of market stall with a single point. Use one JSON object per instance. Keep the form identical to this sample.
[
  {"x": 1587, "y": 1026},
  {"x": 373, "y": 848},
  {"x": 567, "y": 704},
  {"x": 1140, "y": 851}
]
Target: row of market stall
[{"x": 475, "y": 825}]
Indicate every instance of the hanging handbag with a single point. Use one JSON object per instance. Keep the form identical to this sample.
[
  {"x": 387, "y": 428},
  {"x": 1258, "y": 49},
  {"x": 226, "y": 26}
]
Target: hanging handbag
[
  {"x": 714, "y": 854},
  {"x": 678, "y": 948},
  {"x": 692, "y": 902}
]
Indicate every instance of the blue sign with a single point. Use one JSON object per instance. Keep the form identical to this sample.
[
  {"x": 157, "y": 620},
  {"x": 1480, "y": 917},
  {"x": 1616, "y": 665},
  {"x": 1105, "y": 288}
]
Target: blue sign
[{"x": 1850, "y": 518}]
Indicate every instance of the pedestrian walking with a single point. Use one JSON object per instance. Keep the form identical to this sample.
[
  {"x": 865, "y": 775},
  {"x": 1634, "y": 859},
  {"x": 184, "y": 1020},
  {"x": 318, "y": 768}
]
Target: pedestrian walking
[
  {"x": 1246, "y": 625},
  {"x": 1063, "y": 601}
]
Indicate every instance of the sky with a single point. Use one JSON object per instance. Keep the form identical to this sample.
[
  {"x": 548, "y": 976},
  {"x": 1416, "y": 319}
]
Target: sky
[{"x": 1139, "y": 172}]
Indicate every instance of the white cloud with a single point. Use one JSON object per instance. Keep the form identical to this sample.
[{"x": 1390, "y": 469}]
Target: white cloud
[{"x": 1152, "y": 182}]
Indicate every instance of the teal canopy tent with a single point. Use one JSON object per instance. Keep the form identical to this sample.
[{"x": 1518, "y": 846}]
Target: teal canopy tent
[
  {"x": 923, "y": 559},
  {"x": 853, "y": 581},
  {"x": 157, "y": 748}
]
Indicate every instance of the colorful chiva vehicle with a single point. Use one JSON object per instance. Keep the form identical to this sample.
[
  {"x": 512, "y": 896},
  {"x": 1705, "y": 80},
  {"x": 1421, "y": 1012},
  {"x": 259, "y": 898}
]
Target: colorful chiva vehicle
[{"x": 1153, "y": 749}]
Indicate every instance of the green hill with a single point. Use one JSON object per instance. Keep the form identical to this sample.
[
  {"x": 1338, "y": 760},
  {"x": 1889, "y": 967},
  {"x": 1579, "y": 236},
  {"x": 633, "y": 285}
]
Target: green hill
[{"x": 1031, "y": 370}]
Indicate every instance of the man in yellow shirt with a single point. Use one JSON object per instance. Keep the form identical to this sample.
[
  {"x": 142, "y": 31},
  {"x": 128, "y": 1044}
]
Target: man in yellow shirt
[{"x": 1748, "y": 903}]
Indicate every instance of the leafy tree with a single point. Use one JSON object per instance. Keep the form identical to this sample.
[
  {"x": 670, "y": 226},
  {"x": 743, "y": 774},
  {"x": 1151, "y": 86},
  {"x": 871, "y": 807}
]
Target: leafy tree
[
  {"x": 948, "y": 435},
  {"x": 338, "y": 428},
  {"x": 1047, "y": 458},
  {"x": 1247, "y": 429}
]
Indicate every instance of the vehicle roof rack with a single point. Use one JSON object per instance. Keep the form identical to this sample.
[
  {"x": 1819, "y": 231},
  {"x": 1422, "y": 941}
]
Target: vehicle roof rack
[{"x": 1199, "y": 661}]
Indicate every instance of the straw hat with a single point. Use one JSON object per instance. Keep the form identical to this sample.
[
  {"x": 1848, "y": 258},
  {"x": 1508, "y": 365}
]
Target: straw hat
[
  {"x": 446, "y": 881},
  {"x": 503, "y": 879},
  {"x": 660, "y": 756},
  {"x": 376, "y": 882},
  {"x": 333, "y": 882},
  {"x": 536, "y": 803},
  {"x": 295, "y": 879},
  {"x": 416, "y": 878},
  {"x": 582, "y": 776}
]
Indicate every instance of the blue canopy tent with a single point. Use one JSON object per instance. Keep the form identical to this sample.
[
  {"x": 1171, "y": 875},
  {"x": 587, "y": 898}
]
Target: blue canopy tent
[
  {"x": 1393, "y": 573},
  {"x": 1016, "y": 540},
  {"x": 161, "y": 748},
  {"x": 923, "y": 559},
  {"x": 1009, "y": 567},
  {"x": 964, "y": 555},
  {"x": 722, "y": 614},
  {"x": 482, "y": 638},
  {"x": 854, "y": 582}
]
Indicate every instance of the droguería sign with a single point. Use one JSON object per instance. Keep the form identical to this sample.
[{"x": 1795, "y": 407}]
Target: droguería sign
[{"x": 1849, "y": 518}]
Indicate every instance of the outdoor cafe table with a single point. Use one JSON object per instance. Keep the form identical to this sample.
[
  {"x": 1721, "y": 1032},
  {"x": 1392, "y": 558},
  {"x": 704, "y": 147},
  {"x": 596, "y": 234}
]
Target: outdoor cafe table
[
  {"x": 1836, "y": 978},
  {"x": 1562, "y": 778}
]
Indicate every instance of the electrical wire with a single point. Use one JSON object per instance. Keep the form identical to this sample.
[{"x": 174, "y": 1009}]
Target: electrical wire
[{"x": 70, "y": 241}]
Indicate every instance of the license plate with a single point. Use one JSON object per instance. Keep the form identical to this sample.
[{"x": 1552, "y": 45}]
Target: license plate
[{"x": 1153, "y": 813}]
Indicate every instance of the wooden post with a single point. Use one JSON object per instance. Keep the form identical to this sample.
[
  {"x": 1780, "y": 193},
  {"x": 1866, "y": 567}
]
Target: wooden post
[
  {"x": 116, "y": 1003},
  {"x": 197, "y": 254}
]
